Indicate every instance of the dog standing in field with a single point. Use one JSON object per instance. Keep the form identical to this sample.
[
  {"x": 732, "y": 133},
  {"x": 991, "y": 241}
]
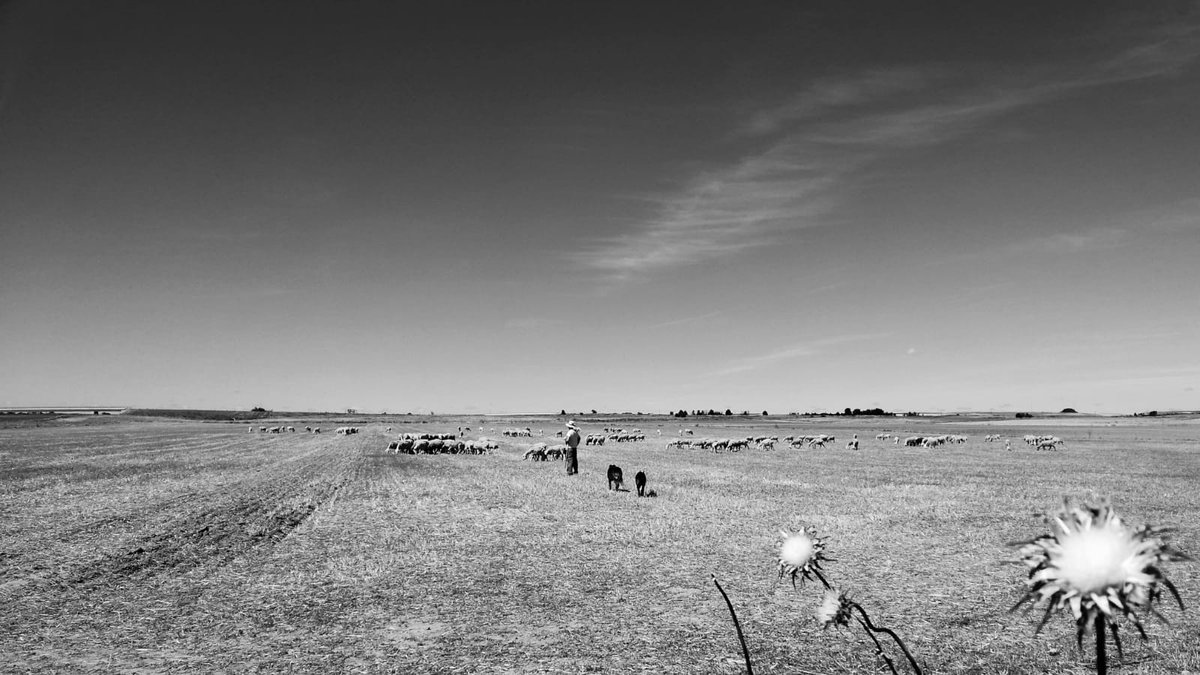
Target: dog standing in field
[
  {"x": 639, "y": 481},
  {"x": 615, "y": 478}
]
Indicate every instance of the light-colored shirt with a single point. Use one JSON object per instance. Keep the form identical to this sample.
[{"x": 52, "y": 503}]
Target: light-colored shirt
[{"x": 573, "y": 439}]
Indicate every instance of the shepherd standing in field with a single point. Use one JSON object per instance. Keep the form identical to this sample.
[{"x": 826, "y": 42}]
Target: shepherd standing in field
[{"x": 572, "y": 448}]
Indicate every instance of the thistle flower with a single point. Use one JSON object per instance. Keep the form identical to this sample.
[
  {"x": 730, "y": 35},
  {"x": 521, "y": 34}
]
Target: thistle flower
[
  {"x": 835, "y": 610},
  {"x": 800, "y": 555},
  {"x": 1099, "y": 568}
]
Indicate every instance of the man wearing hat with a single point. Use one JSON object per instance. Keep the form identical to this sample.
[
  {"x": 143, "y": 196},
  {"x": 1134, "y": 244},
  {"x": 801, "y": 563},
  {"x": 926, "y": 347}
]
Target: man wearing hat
[{"x": 572, "y": 448}]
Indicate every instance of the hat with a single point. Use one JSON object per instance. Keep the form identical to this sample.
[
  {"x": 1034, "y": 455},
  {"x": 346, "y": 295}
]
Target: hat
[{"x": 571, "y": 425}]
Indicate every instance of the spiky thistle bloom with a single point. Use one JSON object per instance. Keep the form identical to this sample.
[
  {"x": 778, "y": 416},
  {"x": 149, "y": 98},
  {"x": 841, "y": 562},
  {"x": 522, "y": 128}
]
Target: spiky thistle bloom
[
  {"x": 800, "y": 555},
  {"x": 835, "y": 610},
  {"x": 1098, "y": 567}
]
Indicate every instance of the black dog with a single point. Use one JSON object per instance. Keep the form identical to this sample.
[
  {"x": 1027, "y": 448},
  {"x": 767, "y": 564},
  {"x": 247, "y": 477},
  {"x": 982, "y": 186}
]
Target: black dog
[
  {"x": 615, "y": 477},
  {"x": 640, "y": 481}
]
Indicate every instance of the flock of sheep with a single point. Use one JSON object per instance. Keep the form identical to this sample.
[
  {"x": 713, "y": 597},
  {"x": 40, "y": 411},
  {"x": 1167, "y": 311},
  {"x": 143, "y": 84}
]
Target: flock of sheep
[
  {"x": 820, "y": 440},
  {"x": 540, "y": 452},
  {"x": 279, "y": 430},
  {"x": 1044, "y": 442},
  {"x": 448, "y": 443},
  {"x": 438, "y": 444},
  {"x": 341, "y": 431}
]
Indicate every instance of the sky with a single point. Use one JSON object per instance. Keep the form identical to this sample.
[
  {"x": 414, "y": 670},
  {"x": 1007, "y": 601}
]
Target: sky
[{"x": 491, "y": 207}]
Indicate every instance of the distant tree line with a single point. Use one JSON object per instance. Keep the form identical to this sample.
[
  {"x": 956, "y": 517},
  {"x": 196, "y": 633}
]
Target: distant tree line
[
  {"x": 711, "y": 412},
  {"x": 855, "y": 412}
]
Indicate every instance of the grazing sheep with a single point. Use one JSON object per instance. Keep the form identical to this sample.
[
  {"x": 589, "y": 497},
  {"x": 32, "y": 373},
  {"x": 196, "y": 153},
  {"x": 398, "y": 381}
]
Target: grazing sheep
[
  {"x": 535, "y": 452},
  {"x": 852, "y": 444}
]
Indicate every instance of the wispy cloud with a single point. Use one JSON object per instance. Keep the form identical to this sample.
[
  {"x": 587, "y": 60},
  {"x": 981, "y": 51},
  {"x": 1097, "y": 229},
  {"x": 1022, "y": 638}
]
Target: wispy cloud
[
  {"x": 833, "y": 94},
  {"x": 1079, "y": 241},
  {"x": 687, "y": 320},
  {"x": 795, "y": 351},
  {"x": 1175, "y": 217},
  {"x": 1122, "y": 229},
  {"x": 812, "y": 145},
  {"x": 532, "y": 323}
]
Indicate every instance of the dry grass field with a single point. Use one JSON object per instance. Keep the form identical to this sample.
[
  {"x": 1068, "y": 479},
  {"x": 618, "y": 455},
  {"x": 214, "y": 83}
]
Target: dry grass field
[{"x": 146, "y": 545}]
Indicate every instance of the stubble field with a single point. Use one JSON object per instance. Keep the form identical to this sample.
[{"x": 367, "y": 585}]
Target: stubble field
[{"x": 144, "y": 545}]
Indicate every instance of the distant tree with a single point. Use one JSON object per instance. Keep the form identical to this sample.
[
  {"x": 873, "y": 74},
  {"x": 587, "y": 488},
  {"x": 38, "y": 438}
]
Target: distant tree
[
  {"x": 856, "y": 412},
  {"x": 745, "y": 413},
  {"x": 848, "y": 412},
  {"x": 563, "y": 412},
  {"x": 258, "y": 409},
  {"x": 593, "y": 411},
  {"x": 764, "y": 413},
  {"x": 681, "y": 413},
  {"x": 1070, "y": 410},
  {"x": 728, "y": 411},
  {"x": 1024, "y": 415}
]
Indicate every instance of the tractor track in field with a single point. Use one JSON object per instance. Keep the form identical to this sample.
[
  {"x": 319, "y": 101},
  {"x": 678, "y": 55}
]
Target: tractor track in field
[{"x": 239, "y": 519}]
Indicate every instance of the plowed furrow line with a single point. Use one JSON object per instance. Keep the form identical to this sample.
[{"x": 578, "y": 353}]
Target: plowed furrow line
[{"x": 246, "y": 517}]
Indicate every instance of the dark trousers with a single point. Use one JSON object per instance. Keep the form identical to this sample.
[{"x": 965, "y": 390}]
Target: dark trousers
[{"x": 572, "y": 461}]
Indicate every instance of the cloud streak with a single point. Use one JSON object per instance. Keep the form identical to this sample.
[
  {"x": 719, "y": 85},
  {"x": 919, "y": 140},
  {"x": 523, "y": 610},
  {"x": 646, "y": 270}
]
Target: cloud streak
[
  {"x": 1125, "y": 229},
  {"x": 795, "y": 351},
  {"x": 533, "y": 323},
  {"x": 687, "y": 320},
  {"x": 812, "y": 146}
]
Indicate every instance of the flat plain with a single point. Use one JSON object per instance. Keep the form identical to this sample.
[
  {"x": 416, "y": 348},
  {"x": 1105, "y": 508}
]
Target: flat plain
[{"x": 140, "y": 544}]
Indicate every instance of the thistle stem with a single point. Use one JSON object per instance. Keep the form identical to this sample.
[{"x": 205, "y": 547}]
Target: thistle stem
[
  {"x": 736, "y": 625},
  {"x": 822, "y": 578},
  {"x": 1101, "y": 656},
  {"x": 866, "y": 620},
  {"x": 878, "y": 647}
]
